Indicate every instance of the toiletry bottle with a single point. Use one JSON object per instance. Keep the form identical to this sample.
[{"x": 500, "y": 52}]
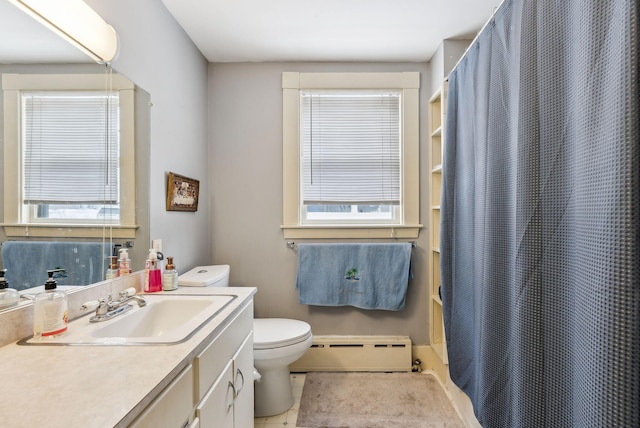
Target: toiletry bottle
[
  {"x": 124, "y": 264},
  {"x": 155, "y": 275},
  {"x": 147, "y": 268},
  {"x": 8, "y": 296},
  {"x": 112, "y": 271},
  {"x": 50, "y": 317},
  {"x": 170, "y": 276}
]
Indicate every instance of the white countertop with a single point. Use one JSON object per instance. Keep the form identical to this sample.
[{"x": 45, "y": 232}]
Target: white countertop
[{"x": 98, "y": 386}]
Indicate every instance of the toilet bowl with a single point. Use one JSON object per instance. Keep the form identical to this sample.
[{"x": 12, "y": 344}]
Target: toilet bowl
[{"x": 277, "y": 342}]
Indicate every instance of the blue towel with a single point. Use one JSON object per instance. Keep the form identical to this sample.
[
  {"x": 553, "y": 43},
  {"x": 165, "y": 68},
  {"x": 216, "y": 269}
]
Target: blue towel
[
  {"x": 367, "y": 276},
  {"x": 27, "y": 262}
]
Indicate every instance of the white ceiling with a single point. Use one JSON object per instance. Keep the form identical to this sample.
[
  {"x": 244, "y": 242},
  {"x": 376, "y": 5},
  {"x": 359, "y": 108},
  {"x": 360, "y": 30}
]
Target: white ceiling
[
  {"x": 23, "y": 40},
  {"x": 328, "y": 30},
  {"x": 281, "y": 30}
]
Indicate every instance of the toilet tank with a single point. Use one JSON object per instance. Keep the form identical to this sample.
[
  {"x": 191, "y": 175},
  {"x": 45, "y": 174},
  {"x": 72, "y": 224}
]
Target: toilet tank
[{"x": 206, "y": 276}]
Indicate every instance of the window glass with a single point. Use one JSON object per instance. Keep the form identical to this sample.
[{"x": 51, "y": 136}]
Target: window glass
[{"x": 350, "y": 144}]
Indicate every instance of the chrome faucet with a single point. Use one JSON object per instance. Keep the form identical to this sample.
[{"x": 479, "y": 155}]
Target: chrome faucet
[{"x": 107, "y": 309}]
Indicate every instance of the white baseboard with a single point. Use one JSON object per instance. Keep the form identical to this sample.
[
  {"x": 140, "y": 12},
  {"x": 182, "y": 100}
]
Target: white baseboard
[{"x": 356, "y": 353}]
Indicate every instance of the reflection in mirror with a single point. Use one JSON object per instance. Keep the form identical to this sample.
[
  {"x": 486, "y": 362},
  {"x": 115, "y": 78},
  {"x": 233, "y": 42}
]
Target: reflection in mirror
[
  {"x": 75, "y": 22},
  {"x": 109, "y": 222}
]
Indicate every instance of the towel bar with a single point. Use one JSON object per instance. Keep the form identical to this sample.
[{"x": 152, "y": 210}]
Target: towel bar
[{"x": 291, "y": 244}]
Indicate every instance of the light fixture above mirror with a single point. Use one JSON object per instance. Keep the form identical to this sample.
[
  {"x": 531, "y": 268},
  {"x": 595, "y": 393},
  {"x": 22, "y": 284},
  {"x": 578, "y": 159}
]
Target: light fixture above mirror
[{"x": 77, "y": 23}]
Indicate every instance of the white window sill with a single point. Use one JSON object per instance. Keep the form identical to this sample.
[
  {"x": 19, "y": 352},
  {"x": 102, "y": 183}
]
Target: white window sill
[
  {"x": 69, "y": 231},
  {"x": 352, "y": 231}
]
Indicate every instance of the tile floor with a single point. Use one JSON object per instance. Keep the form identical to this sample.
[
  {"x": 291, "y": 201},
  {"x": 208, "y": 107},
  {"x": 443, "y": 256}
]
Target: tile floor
[{"x": 288, "y": 418}]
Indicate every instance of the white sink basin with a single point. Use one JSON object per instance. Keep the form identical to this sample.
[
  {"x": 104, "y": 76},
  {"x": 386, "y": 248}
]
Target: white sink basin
[{"x": 166, "y": 319}]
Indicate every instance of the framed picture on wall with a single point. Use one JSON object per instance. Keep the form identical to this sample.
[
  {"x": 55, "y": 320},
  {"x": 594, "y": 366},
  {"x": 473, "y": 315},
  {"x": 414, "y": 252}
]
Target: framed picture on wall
[{"x": 182, "y": 193}]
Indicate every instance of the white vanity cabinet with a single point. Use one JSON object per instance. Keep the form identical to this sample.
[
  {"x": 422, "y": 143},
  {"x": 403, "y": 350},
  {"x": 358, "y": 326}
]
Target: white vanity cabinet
[
  {"x": 224, "y": 373},
  {"x": 172, "y": 408},
  {"x": 216, "y": 389},
  {"x": 159, "y": 385},
  {"x": 229, "y": 401}
]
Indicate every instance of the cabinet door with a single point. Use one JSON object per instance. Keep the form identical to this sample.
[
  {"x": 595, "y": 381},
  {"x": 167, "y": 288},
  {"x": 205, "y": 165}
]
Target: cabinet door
[
  {"x": 243, "y": 381},
  {"x": 216, "y": 408},
  {"x": 210, "y": 362},
  {"x": 173, "y": 406}
]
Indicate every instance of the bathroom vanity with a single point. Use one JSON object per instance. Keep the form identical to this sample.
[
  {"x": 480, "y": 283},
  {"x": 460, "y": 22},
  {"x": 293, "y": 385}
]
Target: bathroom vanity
[{"x": 205, "y": 380}]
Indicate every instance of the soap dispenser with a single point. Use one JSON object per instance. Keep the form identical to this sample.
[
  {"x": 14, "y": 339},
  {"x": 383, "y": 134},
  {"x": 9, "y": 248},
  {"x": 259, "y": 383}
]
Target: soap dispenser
[
  {"x": 155, "y": 274},
  {"x": 124, "y": 264},
  {"x": 170, "y": 276},
  {"x": 50, "y": 317},
  {"x": 8, "y": 296}
]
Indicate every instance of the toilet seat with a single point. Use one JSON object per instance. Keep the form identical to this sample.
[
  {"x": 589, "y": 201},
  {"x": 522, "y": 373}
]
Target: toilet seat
[{"x": 269, "y": 333}]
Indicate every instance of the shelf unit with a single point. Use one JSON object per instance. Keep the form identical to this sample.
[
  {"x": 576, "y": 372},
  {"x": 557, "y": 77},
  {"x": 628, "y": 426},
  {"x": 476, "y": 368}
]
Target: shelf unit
[{"x": 437, "y": 111}]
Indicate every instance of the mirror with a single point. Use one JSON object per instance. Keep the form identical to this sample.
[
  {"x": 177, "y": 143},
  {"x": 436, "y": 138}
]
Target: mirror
[{"x": 26, "y": 47}]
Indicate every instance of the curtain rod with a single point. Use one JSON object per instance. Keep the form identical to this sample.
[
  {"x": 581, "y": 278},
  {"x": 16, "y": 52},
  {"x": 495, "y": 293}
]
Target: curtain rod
[{"x": 475, "y": 39}]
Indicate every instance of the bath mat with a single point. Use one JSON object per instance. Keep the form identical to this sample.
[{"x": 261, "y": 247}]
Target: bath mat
[{"x": 375, "y": 400}]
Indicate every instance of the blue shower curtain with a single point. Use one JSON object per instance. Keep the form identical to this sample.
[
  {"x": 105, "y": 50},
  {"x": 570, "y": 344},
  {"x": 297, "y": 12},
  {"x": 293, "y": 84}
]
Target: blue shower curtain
[{"x": 540, "y": 216}]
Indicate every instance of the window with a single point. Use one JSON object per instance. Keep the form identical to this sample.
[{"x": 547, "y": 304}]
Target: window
[
  {"x": 350, "y": 169},
  {"x": 350, "y": 152},
  {"x": 69, "y": 155}
]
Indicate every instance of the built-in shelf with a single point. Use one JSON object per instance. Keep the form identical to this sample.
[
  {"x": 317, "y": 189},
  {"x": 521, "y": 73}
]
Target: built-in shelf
[
  {"x": 437, "y": 106},
  {"x": 439, "y": 348}
]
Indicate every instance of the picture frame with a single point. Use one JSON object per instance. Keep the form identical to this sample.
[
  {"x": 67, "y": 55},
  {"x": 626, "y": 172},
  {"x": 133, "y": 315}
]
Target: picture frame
[{"x": 182, "y": 193}]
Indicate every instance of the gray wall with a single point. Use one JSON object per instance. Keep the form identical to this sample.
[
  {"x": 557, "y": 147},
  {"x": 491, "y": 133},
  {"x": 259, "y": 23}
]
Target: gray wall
[
  {"x": 245, "y": 173},
  {"x": 445, "y": 59},
  {"x": 157, "y": 55}
]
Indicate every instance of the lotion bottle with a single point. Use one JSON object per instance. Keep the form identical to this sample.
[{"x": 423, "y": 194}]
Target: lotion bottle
[
  {"x": 112, "y": 272},
  {"x": 170, "y": 276},
  {"x": 8, "y": 296},
  {"x": 50, "y": 317}
]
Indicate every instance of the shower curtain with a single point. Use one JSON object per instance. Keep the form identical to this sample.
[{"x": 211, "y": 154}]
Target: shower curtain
[{"x": 540, "y": 250}]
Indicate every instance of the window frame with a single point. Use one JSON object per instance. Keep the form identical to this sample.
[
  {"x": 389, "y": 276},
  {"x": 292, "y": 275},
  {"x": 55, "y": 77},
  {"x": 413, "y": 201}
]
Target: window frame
[
  {"x": 294, "y": 82},
  {"x": 16, "y": 222}
]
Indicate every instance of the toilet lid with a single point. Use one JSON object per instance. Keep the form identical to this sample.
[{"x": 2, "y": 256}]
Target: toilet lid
[
  {"x": 277, "y": 332},
  {"x": 203, "y": 276}
]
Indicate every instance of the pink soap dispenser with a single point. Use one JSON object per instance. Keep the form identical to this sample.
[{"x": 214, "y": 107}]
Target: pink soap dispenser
[{"x": 155, "y": 273}]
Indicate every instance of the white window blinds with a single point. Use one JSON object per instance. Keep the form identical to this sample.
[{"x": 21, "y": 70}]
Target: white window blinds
[
  {"x": 70, "y": 147},
  {"x": 350, "y": 147}
]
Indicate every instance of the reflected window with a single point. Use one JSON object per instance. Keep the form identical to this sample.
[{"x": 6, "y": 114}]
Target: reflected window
[
  {"x": 71, "y": 147},
  {"x": 69, "y": 156}
]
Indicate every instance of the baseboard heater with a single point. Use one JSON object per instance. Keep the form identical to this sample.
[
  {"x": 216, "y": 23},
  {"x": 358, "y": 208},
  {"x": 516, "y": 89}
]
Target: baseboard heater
[{"x": 356, "y": 354}]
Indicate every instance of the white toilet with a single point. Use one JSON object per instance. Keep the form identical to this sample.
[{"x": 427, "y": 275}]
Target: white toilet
[{"x": 277, "y": 342}]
